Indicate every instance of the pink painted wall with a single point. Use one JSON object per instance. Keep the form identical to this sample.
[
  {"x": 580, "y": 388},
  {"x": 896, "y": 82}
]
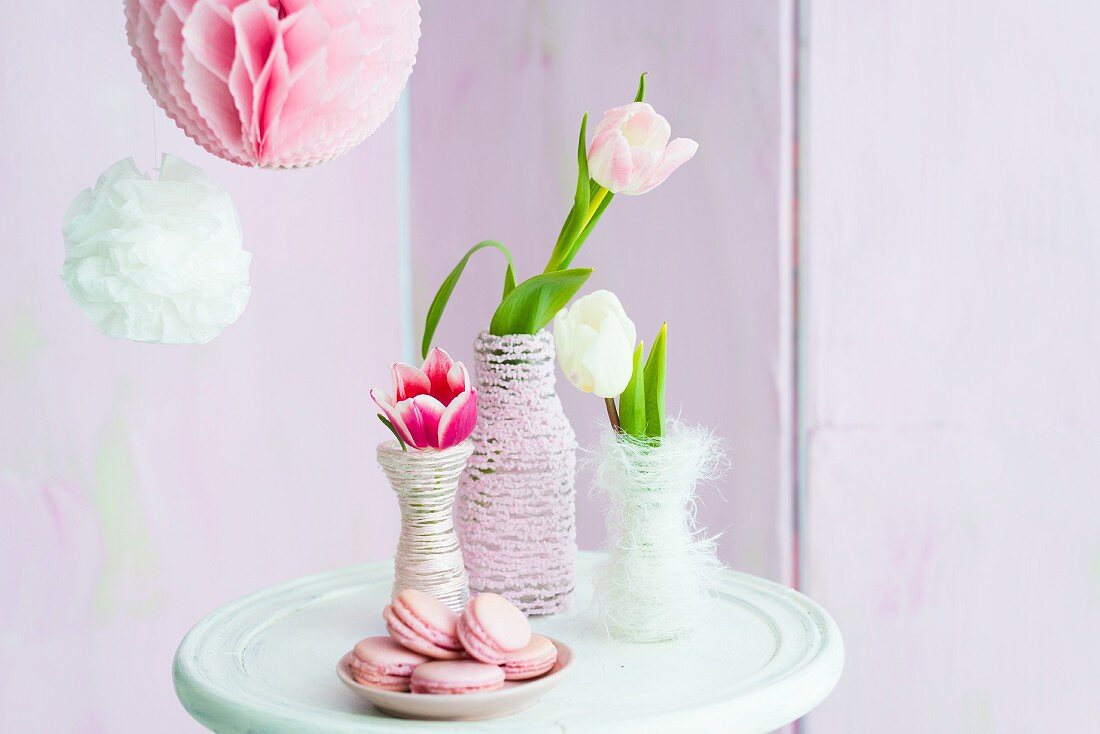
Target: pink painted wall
[
  {"x": 142, "y": 486},
  {"x": 497, "y": 99},
  {"x": 953, "y": 346},
  {"x": 951, "y": 336}
]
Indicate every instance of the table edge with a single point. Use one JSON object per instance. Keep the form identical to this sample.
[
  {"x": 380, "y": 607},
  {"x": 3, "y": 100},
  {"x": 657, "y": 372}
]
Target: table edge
[{"x": 210, "y": 706}]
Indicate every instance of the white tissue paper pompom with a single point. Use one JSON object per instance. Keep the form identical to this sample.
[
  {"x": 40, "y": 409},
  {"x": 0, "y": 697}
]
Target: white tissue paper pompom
[{"x": 156, "y": 260}]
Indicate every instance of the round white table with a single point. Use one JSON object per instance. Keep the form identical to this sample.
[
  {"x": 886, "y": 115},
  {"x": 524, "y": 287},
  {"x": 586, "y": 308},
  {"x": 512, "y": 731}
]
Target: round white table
[{"x": 267, "y": 664}]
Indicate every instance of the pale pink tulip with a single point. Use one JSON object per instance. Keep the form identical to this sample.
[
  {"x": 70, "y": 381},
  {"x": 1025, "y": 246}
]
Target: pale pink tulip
[
  {"x": 275, "y": 83},
  {"x": 630, "y": 151},
  {"x": 432, "y": 407}
]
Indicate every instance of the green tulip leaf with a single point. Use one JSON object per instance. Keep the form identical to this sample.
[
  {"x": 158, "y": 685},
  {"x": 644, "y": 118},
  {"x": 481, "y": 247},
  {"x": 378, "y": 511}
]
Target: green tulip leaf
[
  {"x": 655, "y": 385},
  {"x": 640, "y": 96},
  {"x": 443, "y": 295},
  {"x": 604, "y": 197},
  {"x": 534, "y": 302},
  {"x": 632, "y": 401},
  {"x": 578, "y": 215},
  {"x": 560, "y": 247},
  {"x": 388, "y": 424}
]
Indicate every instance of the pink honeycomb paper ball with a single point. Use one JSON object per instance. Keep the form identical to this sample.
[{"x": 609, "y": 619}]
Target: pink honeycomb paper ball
[{"x": 275, "y": 83}]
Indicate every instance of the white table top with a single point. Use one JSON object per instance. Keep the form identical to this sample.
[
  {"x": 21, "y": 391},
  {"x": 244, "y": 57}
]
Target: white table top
[{"x": 765, "y": 656}]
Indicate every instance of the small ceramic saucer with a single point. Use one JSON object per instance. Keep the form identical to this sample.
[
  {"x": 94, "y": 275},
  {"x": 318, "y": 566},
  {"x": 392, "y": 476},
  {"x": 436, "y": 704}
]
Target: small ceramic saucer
[{"x": 514, "y": 697}]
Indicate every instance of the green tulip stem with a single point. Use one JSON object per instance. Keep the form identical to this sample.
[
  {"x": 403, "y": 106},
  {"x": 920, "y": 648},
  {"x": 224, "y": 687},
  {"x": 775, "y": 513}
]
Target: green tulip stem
[
  {"x": 596, "y": 205},
  {"x": 592, "y": 207},
  {"x": 613, "y": 414}
]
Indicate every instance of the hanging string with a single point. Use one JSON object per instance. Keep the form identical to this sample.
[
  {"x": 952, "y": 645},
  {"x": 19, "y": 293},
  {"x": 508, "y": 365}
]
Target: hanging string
[{"x": 156, "y": 153}]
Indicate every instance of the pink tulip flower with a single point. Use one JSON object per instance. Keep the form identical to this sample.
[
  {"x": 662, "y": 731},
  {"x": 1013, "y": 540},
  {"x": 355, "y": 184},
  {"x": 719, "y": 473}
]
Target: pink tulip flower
[
  {"x": 433, "y": 407},
  {"x": 630, "y": 152}
]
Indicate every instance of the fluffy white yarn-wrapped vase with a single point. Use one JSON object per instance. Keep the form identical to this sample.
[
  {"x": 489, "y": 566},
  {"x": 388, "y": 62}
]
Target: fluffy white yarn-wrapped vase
[
  {"x": 156, "y": 259},
  {"x": 656, "y": 581}
]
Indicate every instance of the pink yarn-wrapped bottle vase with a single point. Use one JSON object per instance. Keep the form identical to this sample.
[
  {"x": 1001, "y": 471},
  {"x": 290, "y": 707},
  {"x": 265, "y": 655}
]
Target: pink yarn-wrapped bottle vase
[{"x": 516, "y": 510}]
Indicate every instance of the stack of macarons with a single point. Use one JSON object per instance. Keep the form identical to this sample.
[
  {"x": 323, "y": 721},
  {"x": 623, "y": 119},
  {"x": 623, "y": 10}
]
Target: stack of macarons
[
  {"x": 495, "y": 631},
  {"x": 422, "y": 623},
  {"x": 433, "y": 650}
]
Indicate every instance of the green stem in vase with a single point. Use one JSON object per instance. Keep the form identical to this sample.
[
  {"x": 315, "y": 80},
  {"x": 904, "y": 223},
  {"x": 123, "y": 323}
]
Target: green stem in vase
[{"x": 613, "y": 414}]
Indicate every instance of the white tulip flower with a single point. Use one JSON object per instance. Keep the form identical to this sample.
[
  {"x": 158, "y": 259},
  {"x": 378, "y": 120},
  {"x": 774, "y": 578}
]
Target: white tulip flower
[{"x": 594, "y": 340}]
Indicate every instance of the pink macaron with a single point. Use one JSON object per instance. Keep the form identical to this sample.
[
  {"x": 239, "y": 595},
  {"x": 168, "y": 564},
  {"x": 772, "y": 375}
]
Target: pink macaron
[
  {"x": 456, "y": 676},
  {"x": 382, "y": 663},
  {"x": 423, "y": 624},
  {"x": 532, "y": 661},
  {"x": 491, "y": 627}
]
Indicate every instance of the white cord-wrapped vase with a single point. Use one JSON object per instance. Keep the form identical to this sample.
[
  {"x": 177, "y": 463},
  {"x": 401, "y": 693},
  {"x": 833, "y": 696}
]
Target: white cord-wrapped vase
[{"x": 428, "y": 557}]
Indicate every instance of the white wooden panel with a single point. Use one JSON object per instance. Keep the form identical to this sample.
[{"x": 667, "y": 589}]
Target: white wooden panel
[{"x": 953, "y": 378}]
